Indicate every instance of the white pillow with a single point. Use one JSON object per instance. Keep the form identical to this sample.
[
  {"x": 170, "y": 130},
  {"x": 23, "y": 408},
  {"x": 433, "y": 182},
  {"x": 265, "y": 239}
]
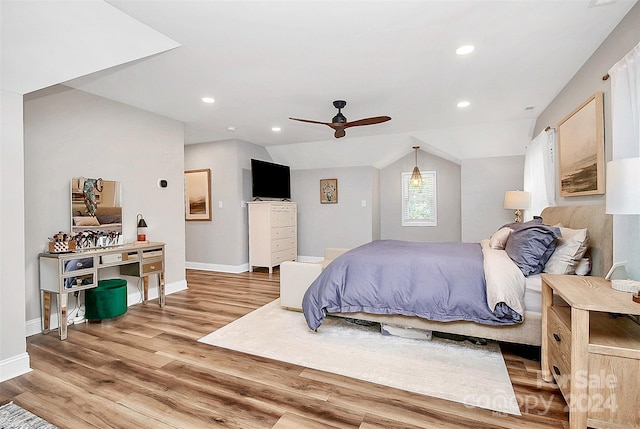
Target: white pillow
[
  {"x": 570, "y": 249},
  {"x": 499, "y": 238},
  {"x": 85, "y": 221}
]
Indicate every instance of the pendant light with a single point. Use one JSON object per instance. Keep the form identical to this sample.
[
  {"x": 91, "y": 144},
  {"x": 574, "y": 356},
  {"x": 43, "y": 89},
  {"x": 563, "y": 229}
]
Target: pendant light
[{"x": 416, "y": 177}]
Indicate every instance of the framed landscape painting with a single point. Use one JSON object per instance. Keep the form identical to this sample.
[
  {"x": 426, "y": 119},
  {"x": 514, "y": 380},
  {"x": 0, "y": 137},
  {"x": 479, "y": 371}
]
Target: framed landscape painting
[
  {"x": 581, "y": 149},
  {"x": 197, "y": 193}
]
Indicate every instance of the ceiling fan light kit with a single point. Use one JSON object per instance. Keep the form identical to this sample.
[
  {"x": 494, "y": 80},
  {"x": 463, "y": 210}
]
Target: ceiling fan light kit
[{"x": 339, "y": 122}]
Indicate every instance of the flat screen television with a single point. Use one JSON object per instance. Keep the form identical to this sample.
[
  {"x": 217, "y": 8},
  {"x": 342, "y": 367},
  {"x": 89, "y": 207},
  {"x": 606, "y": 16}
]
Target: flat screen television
[{"x": 269, "y": 180}]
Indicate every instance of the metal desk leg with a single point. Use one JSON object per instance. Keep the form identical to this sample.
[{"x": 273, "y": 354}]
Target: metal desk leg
[
  {"x": 145, "y": 282},
  {"x": 161, "y": 288},
  {"x": 46, "y": 311},
  {"x": 62, "y": 315}
]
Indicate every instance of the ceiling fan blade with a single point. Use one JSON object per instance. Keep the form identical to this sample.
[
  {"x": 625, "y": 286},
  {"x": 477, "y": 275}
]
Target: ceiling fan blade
[
  {"x": 367, "y": 121},
  {"x": 311, "y": 122},
  {"x": 339, "y": 132}
]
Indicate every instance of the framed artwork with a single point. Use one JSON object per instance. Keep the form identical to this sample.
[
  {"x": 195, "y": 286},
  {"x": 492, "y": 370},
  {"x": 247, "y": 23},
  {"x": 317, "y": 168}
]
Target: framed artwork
[
  {"x": 581, "y": 149},
  {"x": 197, "y": 194},
  {"x": 328, "y": 191}
]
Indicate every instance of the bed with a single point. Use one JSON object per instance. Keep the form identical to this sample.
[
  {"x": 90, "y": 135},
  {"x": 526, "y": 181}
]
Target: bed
[{"x": 509, "y": 328}]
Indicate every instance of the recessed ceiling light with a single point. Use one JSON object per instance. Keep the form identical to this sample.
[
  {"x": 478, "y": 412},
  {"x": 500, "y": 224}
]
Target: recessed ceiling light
[
  {"x": 231, "y": 128},
  {"x": 464, "y": 103},
  {"x": 276, "y": 129},
  {"x": 208, "y": 100},
  {"x": 465, "y": 50}
]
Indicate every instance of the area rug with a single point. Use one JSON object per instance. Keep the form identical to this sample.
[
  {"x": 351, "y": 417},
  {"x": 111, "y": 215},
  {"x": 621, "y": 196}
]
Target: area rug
[
  {"x": 14, "y": 417},
  {"x": 470, "y": 374}
]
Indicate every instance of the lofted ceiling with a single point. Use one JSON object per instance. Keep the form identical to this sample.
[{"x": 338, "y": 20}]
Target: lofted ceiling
[{"x": 266, "y": 61}]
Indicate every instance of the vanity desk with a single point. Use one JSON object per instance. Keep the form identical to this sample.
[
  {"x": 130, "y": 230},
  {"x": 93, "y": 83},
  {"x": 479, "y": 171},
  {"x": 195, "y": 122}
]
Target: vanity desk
[{"x": 64, "y": 273}]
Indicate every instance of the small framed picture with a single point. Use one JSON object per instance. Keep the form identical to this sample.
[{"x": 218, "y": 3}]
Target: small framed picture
[
  {"x": 197, "y": 191},
  {"x": 328, "y": 191}
]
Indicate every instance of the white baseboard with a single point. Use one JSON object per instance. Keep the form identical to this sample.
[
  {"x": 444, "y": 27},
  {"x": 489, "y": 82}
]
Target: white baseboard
[
  {"x": 14, "y": 366},
  {"x": 34, "y": 326},
  {"x": 234, "y": 269}
]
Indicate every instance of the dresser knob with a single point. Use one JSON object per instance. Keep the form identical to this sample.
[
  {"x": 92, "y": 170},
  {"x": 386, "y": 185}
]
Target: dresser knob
[{"x": 556, "y": 337}]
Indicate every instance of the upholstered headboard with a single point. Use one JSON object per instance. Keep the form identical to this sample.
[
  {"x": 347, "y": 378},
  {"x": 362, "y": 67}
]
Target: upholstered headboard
[{"x": 600, "y": 227}]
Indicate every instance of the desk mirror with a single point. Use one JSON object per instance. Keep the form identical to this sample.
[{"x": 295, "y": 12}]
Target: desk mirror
[{"x": 96, "y": 205}]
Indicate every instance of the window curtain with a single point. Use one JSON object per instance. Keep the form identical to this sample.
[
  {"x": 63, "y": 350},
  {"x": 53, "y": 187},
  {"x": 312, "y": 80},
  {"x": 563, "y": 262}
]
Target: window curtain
[
  {"x": 540, "y": 173},
  {"x": 625, "y": 132},
  {"x": 625, "y": 112}
]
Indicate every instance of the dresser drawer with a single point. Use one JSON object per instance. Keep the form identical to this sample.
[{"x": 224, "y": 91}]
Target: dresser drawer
[
  {"x": 283, "y": 244},
  {"x": 283, "y": 255},
  {"x": 283, "y": 232},
  {"x": 151, "y": 267},
  {"x": 283, "y": 218}
]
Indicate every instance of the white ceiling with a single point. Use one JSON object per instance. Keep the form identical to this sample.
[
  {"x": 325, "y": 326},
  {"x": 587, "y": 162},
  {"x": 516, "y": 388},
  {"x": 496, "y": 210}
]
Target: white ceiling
[{"x": 266, "y": 61}]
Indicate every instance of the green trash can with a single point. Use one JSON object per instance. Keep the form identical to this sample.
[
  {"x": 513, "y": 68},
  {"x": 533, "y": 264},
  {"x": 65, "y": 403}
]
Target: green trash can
[{"x": 107, "y": 300}]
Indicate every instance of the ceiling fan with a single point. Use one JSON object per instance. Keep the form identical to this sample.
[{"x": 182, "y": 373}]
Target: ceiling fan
[{"x": 339, "y": 122}]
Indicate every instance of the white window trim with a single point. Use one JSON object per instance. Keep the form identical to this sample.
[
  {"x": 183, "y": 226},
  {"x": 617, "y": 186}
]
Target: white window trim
[{"x": 427, "y": 176}]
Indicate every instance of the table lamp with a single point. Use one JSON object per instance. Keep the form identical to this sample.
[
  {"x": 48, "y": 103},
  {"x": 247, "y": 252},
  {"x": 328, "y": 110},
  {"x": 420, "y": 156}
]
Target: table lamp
[
  {"x": 141, "y": 225},
  {"x": 623, "y": 198},
  {"x": 518, "y": 201},
  {"x": 623, "y": 186}
]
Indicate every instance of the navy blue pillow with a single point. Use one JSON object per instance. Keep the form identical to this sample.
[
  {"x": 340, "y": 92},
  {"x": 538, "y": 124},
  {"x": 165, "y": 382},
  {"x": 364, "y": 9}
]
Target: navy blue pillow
[{"x": 531, "y": 246}]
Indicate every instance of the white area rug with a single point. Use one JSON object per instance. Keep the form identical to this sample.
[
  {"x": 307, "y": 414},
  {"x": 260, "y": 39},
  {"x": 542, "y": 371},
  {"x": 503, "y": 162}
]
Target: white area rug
[{"x": 456, "y": 371}]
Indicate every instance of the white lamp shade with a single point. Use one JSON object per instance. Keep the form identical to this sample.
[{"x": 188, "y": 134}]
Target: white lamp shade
[
  {"x": 517, "y": 200},
  {"x": 623, "y": 186}
]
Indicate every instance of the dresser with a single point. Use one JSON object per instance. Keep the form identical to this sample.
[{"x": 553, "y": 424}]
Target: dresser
[
  {"x": 273, "y": 233},
  {"x": 592, "y": 350}
]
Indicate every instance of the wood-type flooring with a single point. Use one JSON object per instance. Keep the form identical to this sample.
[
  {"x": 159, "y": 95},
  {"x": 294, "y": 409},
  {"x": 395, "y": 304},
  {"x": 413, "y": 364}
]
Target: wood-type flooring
[{"x": 145, "y": 369}]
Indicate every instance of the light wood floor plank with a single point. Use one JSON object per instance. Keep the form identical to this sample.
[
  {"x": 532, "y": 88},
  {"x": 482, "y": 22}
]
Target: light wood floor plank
[{"x": 146, "y": 369}]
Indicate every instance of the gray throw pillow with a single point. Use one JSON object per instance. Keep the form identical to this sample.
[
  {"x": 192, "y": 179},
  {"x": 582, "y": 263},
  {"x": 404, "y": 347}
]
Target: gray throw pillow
[{"x": 531, "y": 246}]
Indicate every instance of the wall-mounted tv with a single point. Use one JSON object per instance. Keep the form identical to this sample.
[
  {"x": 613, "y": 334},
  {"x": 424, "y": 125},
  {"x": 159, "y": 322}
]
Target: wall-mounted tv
[{"x": 269, "y": 180}]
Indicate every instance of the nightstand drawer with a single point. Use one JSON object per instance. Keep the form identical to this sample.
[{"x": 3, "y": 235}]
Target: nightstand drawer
[{"x": 559, "y": 337}]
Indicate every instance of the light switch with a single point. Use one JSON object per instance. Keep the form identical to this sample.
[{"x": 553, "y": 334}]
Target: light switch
[
  {"x": 220, "y": 204},
  {"x": 364, "y": 203}
]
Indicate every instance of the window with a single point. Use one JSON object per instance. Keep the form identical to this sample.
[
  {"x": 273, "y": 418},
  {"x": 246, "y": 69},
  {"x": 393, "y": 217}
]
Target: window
[{"x": 419, "y": 205}]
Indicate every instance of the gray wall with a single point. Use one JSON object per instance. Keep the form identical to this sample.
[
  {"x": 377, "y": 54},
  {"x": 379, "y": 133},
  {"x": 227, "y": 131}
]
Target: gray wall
[
  {"x": 349, "y": 223},
  {"x": 222, "y": 243},
  {"x": 14, "y": 359},
  {"x": 588, "y": 80},
  {"x": 70, "y": 133},
  {"x": 484, "y": 182},
  {"x": 449, "y": 203}
]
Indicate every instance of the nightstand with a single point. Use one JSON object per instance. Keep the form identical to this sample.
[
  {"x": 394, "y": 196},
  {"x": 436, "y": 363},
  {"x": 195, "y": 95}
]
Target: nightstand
[{"x": 592, "y": 350}]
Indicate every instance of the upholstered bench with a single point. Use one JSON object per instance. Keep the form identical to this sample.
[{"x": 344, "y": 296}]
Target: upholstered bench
[{"x": 295, "y": 277}]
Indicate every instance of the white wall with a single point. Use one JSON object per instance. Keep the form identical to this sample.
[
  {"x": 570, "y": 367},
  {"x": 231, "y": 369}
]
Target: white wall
[
  {"x": 348, "y": 223},
  {"x": 484, "y": 182},
  {"x": 222, "y": 243},
  {"x": 448, "y": 183},
  {"x": 70, "y": 133},
  {"x": 587, "y": 81},
  {"x": 14, "y": 359}
]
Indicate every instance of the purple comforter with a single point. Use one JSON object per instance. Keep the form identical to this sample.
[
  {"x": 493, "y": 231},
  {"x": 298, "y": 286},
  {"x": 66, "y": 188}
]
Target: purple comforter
[{"x": 436, "y": 281}]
